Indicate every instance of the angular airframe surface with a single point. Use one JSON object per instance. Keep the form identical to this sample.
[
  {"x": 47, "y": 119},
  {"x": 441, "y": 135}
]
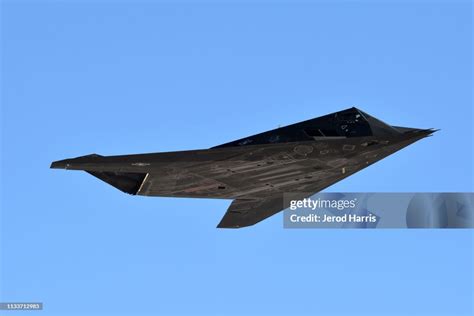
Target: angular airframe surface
[{"x": 255, "y": 171}]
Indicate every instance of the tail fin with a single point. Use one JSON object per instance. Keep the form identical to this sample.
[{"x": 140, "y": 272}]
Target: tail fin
[{"x": 126, "y": 182}]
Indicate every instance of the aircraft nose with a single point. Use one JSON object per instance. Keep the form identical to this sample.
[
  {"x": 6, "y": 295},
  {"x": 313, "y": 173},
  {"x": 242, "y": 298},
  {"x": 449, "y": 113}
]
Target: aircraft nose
[
  {"x": 423, "y": 132},
  {"x": 415, "y": 131}
]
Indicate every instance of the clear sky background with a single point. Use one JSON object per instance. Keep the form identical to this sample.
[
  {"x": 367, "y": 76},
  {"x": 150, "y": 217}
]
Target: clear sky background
[{"x": 119, "y": 78}]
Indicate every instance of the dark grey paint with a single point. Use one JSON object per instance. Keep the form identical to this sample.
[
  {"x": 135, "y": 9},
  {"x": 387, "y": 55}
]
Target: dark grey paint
[{"x": 255, "y": 171}]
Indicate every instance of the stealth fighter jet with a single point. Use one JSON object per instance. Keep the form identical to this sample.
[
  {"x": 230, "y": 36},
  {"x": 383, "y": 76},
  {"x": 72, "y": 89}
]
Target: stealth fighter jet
[{"x": 255, "y": 171}]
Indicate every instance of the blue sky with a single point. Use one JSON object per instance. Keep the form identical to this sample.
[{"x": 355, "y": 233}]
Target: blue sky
[{"x": 118, "y": 78}]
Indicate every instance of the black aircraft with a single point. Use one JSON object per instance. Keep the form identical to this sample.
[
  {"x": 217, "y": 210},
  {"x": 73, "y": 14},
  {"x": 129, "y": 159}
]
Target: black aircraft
[{"x": 255, "y": 171}]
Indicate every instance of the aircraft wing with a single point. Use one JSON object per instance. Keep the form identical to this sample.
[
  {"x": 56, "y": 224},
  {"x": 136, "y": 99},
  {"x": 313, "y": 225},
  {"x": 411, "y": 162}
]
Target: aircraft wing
[{"x": 244, "y": 212}]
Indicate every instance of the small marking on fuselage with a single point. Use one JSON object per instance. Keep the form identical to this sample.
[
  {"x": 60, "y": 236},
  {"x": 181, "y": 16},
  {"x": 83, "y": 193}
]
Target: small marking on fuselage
[{"x": 140, "y": 164}]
